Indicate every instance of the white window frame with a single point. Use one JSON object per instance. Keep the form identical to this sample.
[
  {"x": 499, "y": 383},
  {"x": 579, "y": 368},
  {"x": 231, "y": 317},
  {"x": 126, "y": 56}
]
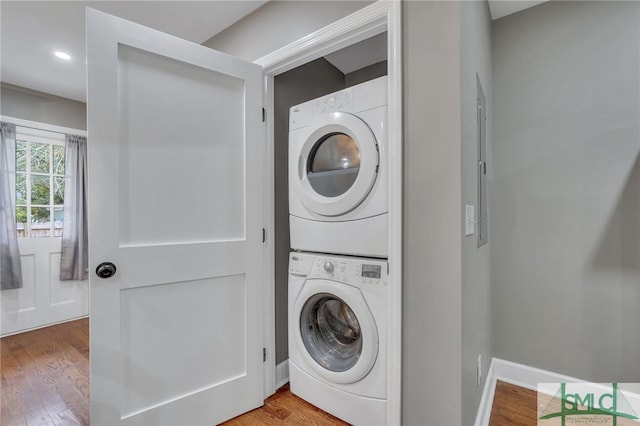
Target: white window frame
[
  {"x": 30, "y": 136},
  {"x": 35, "y": 127}
]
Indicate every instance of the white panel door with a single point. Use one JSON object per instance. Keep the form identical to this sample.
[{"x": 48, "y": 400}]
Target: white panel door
[{"x": 175, "y": 203}]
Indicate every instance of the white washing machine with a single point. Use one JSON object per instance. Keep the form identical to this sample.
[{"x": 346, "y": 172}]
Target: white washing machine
[
  {"x": 338, "y": 200},
  {"x": 338, "y": 335}
]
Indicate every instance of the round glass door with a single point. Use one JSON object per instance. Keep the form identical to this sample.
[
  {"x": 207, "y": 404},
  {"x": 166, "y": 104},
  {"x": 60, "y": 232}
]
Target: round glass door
[
  {"x": 334, "y": 163},
  {"x": 331, "y": 332},
  {"x": 337, "y": 164}
]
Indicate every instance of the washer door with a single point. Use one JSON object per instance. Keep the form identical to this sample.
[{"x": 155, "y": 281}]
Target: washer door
[
  {"x": 338, "y": 164},
  {"x": 337, "y": 334}
]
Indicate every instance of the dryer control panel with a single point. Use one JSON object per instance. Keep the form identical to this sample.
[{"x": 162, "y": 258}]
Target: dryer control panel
[
  {"x": 361, "y": 97},
  {"x": 339, "y": 101},
  {"x": 348, "y": 270},
  {"x": 301, "y": 115}
]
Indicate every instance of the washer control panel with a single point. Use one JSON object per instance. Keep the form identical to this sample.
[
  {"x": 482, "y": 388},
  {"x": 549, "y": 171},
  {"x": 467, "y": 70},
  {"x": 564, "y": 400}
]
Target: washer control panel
[
  {"x": 329, "y": 266},
  {"x": 339, "y": 268}
]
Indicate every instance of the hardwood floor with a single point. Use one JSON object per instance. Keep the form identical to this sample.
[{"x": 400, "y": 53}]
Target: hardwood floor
[
  {"x": 284, "y": 408},
  {"x": 513, "y": 406},
  {"x": 45, "y": 381},
  {"x": 45, "y": 376}
]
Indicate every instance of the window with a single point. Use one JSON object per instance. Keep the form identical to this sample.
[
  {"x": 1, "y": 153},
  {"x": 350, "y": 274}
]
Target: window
[{"x": 39, "y": 183}]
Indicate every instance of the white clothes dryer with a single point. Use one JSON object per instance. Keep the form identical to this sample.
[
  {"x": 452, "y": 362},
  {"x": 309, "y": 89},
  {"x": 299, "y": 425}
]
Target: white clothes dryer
[
  {"x": 338, "y": 335},
  {"x": 338, "y": 195}
]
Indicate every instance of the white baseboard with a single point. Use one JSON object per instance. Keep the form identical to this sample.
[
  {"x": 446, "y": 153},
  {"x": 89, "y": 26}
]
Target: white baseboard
[
  {"x": 484, "y": 410},
  {"x": 516, "y": 374},
  {"x": 282, "y": 373},
  {"x": 529, "y": 377},
  {"x": 50, "y": 324}
]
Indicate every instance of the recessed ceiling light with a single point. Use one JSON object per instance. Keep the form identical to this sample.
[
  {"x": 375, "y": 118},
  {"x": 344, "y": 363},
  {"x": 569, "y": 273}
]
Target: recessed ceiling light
[{"x": 62, "y": 55}]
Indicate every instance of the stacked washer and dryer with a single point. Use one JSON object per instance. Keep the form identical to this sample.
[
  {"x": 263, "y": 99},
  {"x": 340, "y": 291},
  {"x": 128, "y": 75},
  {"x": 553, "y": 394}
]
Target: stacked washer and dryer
[{"x": 338, "y": 295}]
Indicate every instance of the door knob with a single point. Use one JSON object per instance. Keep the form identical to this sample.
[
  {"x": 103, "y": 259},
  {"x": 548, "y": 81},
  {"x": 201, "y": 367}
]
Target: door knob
[{"x": 106, "y": 270}]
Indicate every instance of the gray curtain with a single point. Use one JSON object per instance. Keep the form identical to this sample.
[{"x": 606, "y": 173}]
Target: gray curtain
[
  {"x": 10, "y": 265},
  {"x": 75, "y": 260}
]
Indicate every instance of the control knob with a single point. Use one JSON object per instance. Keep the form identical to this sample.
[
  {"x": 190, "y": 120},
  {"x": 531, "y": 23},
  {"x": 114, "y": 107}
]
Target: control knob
[{"x": 328, "y": 266}]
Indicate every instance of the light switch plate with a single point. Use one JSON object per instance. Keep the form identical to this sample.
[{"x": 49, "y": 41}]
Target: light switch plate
[{"x": 469, "y": 222}]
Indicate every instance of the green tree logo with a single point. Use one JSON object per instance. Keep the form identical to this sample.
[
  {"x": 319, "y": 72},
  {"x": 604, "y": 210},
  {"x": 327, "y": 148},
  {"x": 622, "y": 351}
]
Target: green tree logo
[{"x": 588, "y": 403}]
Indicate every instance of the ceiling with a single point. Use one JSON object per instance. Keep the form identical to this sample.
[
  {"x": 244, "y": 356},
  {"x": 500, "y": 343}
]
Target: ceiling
[
  {"x": 367, "y": 52},
  {"x": 30, "y": 31},
  {"x": 500, "y": 8}
]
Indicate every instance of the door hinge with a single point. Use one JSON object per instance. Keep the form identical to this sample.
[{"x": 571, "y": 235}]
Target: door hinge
[
  {"x": 264, "y": 354},
  {"x": 264, "y": 235},
  {"x": 264, "y": 115}
]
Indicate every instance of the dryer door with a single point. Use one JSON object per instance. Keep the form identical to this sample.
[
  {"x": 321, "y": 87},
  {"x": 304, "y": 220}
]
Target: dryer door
[
  {"x": 337, "y": 333},
  {"x": 338, "y": 164}
]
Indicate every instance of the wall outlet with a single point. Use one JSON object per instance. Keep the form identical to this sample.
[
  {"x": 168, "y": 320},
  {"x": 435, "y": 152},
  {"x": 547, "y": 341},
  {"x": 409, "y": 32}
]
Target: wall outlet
[{"x": 479, "y": 371}]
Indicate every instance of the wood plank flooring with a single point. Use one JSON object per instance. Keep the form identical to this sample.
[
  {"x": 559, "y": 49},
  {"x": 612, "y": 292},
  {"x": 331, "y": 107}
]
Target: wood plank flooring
[
  {"x": 513, "y": 406},
  {"x": 284, "y": 408},
  {"x": 45, "y": 381},
  {"x": 45, "y": 376}
]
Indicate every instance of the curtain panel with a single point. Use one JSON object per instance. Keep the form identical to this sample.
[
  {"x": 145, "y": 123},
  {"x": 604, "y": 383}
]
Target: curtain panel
[
  {"x": 10, "y": 264},
  {"x": 74, "y": 260}
]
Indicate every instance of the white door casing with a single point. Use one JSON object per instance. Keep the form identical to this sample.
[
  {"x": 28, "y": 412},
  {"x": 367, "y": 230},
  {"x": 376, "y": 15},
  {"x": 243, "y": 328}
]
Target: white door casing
[
  {"x": 177, "y": 163},
  {"x": 380, "y": 16}
]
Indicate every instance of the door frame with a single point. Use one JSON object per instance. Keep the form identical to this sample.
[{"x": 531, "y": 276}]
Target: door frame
[{"x": 381, "y": 16}]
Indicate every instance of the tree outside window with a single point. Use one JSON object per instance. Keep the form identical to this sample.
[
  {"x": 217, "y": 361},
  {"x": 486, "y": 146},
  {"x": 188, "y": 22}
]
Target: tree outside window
[{"x": 39, "y": 184}]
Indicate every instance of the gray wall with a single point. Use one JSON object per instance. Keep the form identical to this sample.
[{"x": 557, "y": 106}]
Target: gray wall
[
  {"x": 566, "y": 193},
  {"x": 476, "y": 277},
  {"x": 279, "y": 23},
  {"x": 432, "y": 280},
  {"x": 291, "y": 88},
  {"x": 365, "y": 74},
  {"x": 27, "y": 104}
]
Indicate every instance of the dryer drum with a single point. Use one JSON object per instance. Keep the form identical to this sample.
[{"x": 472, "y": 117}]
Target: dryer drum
[
  {"x": 333, "y": 165},
  {"x": 331, "y": 332}
]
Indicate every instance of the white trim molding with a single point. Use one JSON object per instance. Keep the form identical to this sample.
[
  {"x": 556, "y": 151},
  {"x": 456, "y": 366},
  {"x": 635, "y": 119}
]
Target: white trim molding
[
  {"x": 517, "y": 374},
  {"x": 26, "y": 330},
  {"x": 282, "y": 373},
  {"x": 365, "y": 23},
  {"x": 486, "y": 402},
  {"x": 529, "y": 377},
  {"x": 43, "y": 126},
  {"x": 395, "y": 152}
]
